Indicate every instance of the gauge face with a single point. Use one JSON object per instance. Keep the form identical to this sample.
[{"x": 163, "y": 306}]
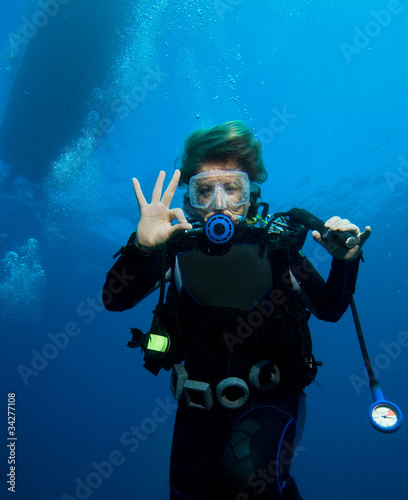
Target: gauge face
[{"x": 385, "y": 415}]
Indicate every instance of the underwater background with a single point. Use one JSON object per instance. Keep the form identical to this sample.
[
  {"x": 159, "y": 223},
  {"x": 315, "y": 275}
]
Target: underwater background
[{"x": 323, "y": 84}]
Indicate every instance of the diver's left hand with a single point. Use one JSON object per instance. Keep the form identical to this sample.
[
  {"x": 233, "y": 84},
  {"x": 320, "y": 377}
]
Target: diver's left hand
[{"x": 338, "y": 224}]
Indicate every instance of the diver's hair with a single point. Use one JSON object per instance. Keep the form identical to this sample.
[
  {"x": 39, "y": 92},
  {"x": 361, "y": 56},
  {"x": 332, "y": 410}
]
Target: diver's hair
[{"x": 231, "y": 140}]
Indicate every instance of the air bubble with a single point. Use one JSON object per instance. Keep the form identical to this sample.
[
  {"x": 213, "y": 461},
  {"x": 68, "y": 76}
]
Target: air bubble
[
  {"x": 97, "y": 93},
  {"x": 22, "y": 284},
  {"x": 94, "y": 116}
]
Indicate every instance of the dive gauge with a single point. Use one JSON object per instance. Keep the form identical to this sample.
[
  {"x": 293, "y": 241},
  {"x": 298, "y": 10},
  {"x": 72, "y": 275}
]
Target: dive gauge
[{"x": 385, "y": 416}]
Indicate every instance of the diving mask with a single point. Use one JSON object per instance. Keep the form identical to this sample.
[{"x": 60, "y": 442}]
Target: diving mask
[{"x": 219, "y": 190}]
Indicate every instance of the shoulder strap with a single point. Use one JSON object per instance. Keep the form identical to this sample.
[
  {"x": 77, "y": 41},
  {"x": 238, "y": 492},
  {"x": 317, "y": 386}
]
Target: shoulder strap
[
  {"x": 285, "y": 238},
  {"x": 280, "y": 227}
]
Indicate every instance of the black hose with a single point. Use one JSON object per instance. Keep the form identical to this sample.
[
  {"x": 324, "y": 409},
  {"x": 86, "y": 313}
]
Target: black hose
[{"x": 345, "y": 239}]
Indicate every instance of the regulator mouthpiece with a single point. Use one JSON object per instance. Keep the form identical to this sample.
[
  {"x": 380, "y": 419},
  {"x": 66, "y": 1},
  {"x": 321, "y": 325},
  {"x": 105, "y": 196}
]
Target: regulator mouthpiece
[{"x": 219, "y": 229}]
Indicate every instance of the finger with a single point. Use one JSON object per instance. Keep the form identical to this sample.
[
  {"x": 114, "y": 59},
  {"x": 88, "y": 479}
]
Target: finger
[
  {"x": 171, "y": 189},
  {"x": 325, "y": 241},
  {"x": 179, "y": 228},
  {"x": 158, "y": 187},
  {"x": 317, "y": 236},
  {"x": 331, "y": 221},
  {"x": 177, "y": 213},
  {"x": 335, "y": 222},
  {"x": 141, "y": 200},
  {"x": 345, "y": 225},
  {"x": 338, "y": 223},
  {"x": 182, "y": 225}
]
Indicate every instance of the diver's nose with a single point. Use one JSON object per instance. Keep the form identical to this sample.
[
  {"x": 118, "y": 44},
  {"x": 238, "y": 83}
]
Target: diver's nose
[{"x": 220, "y": 201}]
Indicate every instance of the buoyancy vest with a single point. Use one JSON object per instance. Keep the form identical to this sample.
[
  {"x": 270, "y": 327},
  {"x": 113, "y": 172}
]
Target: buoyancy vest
[{"x": 220, "y": 342}]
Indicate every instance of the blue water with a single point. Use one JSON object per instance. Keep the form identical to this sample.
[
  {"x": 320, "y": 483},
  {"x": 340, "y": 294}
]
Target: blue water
[{"x": 324, "y": 84}]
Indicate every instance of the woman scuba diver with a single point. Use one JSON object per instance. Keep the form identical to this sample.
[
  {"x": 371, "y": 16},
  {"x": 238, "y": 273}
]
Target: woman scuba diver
[{"x": 233, "y": 328}]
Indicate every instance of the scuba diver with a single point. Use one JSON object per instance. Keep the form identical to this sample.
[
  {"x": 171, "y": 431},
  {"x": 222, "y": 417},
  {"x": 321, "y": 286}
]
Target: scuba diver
[{"x": 232, "y": 323}]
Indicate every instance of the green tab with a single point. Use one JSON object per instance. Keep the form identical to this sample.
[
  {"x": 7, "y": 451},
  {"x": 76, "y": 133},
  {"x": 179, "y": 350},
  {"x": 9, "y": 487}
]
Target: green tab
[{"x": 157, "y": 343}]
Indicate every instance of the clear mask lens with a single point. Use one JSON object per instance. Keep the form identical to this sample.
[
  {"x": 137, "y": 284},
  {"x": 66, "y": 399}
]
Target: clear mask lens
[{"x": 219, "y": 190}]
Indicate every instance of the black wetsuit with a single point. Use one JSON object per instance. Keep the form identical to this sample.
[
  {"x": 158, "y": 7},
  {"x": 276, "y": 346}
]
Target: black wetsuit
[{"x": 243, "y": 453}]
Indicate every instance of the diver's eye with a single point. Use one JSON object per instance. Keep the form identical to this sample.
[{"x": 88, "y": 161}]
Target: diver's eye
[
  {"x": 232, "y": 190},
  {"x": 205, "y": 191}
]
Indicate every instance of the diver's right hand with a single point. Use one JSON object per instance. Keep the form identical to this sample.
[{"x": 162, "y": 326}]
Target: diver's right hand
[{"x": 155, "y": 226}]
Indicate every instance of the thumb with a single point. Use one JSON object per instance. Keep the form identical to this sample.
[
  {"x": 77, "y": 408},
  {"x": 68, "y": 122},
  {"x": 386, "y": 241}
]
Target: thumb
[
  {"x": 179, "y": 228},
  {"x": 317, "y": 236}
]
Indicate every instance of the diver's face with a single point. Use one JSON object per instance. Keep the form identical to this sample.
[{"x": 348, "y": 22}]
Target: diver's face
[{"x": 219, "y": 204}]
